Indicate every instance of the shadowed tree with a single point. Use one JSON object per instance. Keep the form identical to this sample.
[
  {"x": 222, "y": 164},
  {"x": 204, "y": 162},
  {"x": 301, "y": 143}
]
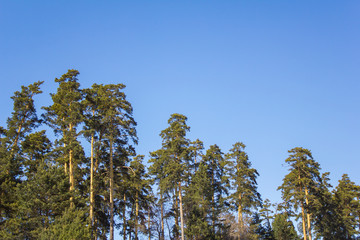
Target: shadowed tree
[
  {"x": 22, "y": 121},
  {"x": 218, "y": 176}
]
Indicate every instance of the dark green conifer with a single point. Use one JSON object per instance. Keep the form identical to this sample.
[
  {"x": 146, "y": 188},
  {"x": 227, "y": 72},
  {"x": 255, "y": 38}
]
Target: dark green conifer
[{"x": 245, "y": 198}]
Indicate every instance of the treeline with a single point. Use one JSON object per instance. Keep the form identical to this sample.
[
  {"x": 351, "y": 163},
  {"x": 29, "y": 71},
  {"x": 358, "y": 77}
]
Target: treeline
[{"x": 53, "y": 190}]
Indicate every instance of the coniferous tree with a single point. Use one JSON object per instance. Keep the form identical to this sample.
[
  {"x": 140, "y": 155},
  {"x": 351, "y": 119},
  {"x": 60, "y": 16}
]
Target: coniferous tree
[
  {"x": 283, "y": 228},
  {"x": 120, "y": 130},
  {"x": 140, "y": 194},
  {"x": 245, "y": 197},
  {"x": 22, "y": 121},
  {"x": 218, "y": 176},
  {"x": 172, "y": 159},
  {"x": 300, "y": 184},
  {"x": 346, "y": 195},
  {"x": 64, "y": 116},
  {"x": 158, "y": 162},
  {"x": 197, "y": 205}
]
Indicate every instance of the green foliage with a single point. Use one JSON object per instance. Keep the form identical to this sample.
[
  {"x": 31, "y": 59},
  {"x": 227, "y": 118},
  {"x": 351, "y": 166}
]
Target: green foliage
[
  {"x": 283, "y": 228},
  {"x": 70, "y": 226},
  {"x": 218, "y": 176},
  {"x": 197, "y": 205},
  {"x": 244, "y": 178},
  {"x": 45, "y": 185}
]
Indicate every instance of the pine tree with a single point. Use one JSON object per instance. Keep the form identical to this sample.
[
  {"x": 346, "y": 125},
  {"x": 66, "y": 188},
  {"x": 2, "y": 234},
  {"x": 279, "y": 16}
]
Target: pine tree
[
  {"x": 172, "y": 159},
  {"x": 218, "y": 176},
  {"x": 283, "y": 228},
  {"x": 158, "y": 162},
  {"x": 64, "y": 116},
  {"x": 116, "y": 117},
  {"x": 197, "y": 205},
  {"x": 245, "y": 197},
  {"x": 22, "y": 122},
  {"x": 346, "y": 195},
  {"x": 300, "y": 184},
  {"x": 141, "y": 194}
]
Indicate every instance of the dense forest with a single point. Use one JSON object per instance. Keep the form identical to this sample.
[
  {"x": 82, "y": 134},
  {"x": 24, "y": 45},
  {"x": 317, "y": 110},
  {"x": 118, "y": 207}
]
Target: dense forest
[{"x": 53, "y": 190}]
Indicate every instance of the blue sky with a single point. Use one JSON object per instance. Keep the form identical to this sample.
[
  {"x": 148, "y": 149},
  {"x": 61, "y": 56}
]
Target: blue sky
[{"x": 272, "y": 74}]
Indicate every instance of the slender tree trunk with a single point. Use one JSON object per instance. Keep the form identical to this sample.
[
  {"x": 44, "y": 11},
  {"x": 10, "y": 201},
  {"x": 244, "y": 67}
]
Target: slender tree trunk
[
  {"x": 302, "y": 210},
  {"x": 71, "y": 171},
  {"x": 308, "y": 215},
  {"x": 213, "y": 200},
  {"x": 240, "y": 217},
  {"x": 92, "y": 186},
  {"x": 18, "y": 131},
  {"x": 162, "y": 217},
  {"x": 176, "y": 205},
  {"x": 181, "y": 213},
  {"x": 71, "y": 176},
  {"x": 303, "y": 221},
  {"x": 136, "y": 214},
  {"x": 65, "y": 164},
  {"x": 124, "y": 217},
  {"x": 149, "y": 226},
  {"x": 111, "y": 192}
]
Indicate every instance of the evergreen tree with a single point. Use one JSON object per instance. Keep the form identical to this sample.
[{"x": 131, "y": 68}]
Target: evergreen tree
[
  {"x": 158, "y": 162},
  {"x": 22, "y": 121},
  {"x": 245, "y": 197},
  {"x": 218, "y": 176},
  {"x": 283, "y": 228},
  {"x": 173, "y": 160},
  {"x": 64, "y": 115},
  {"x": 197, "y": 205},
  {"x": 300, "y": 184},
  {"x": 116, "y": 113},
  {"x": 346, "y": 195},
  {"x": 141, "y": 195}
]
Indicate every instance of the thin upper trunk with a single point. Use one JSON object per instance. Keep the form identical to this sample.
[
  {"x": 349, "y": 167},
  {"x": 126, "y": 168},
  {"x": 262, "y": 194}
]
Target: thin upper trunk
[
  {"x": 176, "y": 205},
  {"x": 71, "y": 171},
  {"x": 149, "y": 226},
  {"x": 162, "y": 217},
  {"x": 111, "y": 192},
  {"x": 308, "y": 215},
  {"x": 240, "y": 217},
  {"x": 303, "y": 221},
  {"x": 136, "y": 214},
  {"x": 302, "y": 211},
  {"x": 213, "y": 199},
  {"x": 65, "y": 164},
  {"x": 19, "y": 129},
  {"x": 124, "y": 217},
  {"x": 92, "y": 185},
  {"x": 181, "y": 213}
]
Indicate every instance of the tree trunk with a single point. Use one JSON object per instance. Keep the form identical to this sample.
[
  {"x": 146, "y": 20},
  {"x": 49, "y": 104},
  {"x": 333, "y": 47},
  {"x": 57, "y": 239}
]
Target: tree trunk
[
  {"x": 136, "y": 214},
  {"x": 303, "y": 221},
  {"x": 162, "y": 217},
  {"x": 71, "y": 171},
  {"x": 71, "y": 177},
  {"x": 65, "y": 164},
  {"x": 111, "y": 192},
  {"x": 149, "y": 226},
  {"x": 240, "y": 217},
  {"x": 92, "y": 186},
  {"x": 308, "y": 215},
  {"x": 181, "y": 213},
  {"x": 176, "y": 205},
  {"x": 124, "y": 217}
]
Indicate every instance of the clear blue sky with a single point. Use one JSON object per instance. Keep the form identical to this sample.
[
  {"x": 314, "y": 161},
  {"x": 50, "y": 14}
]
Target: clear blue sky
[{"x": 273, "y": 74}]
